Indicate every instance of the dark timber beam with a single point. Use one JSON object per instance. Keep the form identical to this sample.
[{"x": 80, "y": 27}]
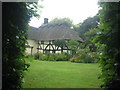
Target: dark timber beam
[{"x": 31, "y": 50}]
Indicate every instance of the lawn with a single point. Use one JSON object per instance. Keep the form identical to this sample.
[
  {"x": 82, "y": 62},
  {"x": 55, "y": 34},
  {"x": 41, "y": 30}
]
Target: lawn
[{"x": 61, "y": 74}]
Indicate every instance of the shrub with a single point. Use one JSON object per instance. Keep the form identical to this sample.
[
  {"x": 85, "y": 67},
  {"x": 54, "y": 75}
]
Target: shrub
[
  {"x": 68, "y": 56},
  {"x": 52, "y": 57},
  {"x": 60, "y": 57},
  {"x": 95, "y": 56},
  {"x": 109, "y": 38},
  {"x": 88, "y": 59},
  {"x": 43, "y": 57},
  {"x": 13, "y": 43},
  {"x": 76, "y": 59},
  {"x": 36, "y": 56},
  {"x": 73, "y": 46},
  {"x": 83, "y": 58},
  {"x": 83, "y": 51}
]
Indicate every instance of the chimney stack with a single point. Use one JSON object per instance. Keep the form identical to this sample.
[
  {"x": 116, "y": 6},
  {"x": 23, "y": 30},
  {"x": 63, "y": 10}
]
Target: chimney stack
[{"x": 45, "y": 20}]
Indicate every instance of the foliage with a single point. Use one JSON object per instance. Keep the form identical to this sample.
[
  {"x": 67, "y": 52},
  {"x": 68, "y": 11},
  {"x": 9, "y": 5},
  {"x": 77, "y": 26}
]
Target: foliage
[
  {"x": 73, "y": 46},
  {"x": 69, "y": 21},
  {"x": 15, "y": 24},
  {"x": 83, "y": 59},
  {"x": 84, "y": 56},
  {"x": 91, "y": 33},
  {"x": 60, "y": 43},
  {"x": 52, "y": 57},
  {"x": 36, "y": 56},
  {"x": 83, "y": 51},
  {"x": 28, "y": 59},
  {"x": 76, "y": 59},
  {"x": 89, "y": 37},
  {"x": 43, "y": 57},
  {"x": 81, "y": 56},
  {"x": 89, "y": 23},
  {"x": 94, "y": 56},
  {"x": 108, "y": 38},
  {"x": 87, "y": 30},
  {"x": 68, "y": 56},
  {"x": 61, "y": 57}
]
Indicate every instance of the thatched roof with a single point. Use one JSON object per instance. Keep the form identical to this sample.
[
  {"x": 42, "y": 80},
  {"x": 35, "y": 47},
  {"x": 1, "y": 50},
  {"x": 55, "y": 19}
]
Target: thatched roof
[
  {"x": 54, "y": 31},
  {"x": 32, "y": 33}
]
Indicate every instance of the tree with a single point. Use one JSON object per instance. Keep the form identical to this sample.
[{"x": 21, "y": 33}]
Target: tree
[
  {"x": 89, "y": 37},
  {"x": 73, "y": 46},
  {"x": 87, "y": 30},
  {"x": 109, "y": 39},
  {"x": 15, "y": 20},
  {"x": 60, "y": 43},
  {"x": 69, "y": 21},
  {"x": 88, "y": 24}
]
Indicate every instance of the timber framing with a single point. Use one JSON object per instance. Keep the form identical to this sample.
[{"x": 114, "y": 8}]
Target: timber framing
[{"x": 50, "y": 47}]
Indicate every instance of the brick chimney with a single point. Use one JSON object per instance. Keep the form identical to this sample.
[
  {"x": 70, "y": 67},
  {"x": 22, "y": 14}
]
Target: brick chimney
[{"x": 45, "y": 20}]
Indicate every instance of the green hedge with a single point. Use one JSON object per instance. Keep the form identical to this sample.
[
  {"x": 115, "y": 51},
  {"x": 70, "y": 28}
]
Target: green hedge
[
  {"x": 82, "y": 59},
  {"x": 85, "y": 56},
  {"x": 52, "y": 57},
  {"x": 16, "y": 16}
]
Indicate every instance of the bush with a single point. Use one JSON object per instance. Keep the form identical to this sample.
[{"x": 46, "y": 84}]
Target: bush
[
  {"x": 60, "y": 57},
  {"x": 88, "y": 59},
  {"x": 73, "y": 46},
  {"x": 76, "y": 59},
  {"x": 68, "y": 56},
  {"x": 85, "y": 56},
  {"x": 57, "y": 57},
  {"x": 95, "y": 56},
  {"x": 43, "y": 57},
  {"x": 52, "y": 57},
  {"x": 36, "y": 56},
  {"x": 82, "y": 56},
  {"x": 13, "y": 43},
  {"x": 82, "y": 59},
  {"x": 83, "y": 51}
]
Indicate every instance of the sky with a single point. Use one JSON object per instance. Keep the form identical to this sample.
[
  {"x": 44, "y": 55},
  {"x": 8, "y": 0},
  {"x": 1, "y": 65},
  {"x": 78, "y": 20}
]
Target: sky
[{"x": 76, "y": 10}]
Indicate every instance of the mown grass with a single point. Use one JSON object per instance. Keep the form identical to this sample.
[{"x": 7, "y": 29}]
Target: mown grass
[{"x": 62, "y": 74}]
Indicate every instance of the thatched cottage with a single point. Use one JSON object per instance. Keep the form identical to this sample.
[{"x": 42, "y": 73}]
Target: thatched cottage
[{"x": 40, "y": 40}]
